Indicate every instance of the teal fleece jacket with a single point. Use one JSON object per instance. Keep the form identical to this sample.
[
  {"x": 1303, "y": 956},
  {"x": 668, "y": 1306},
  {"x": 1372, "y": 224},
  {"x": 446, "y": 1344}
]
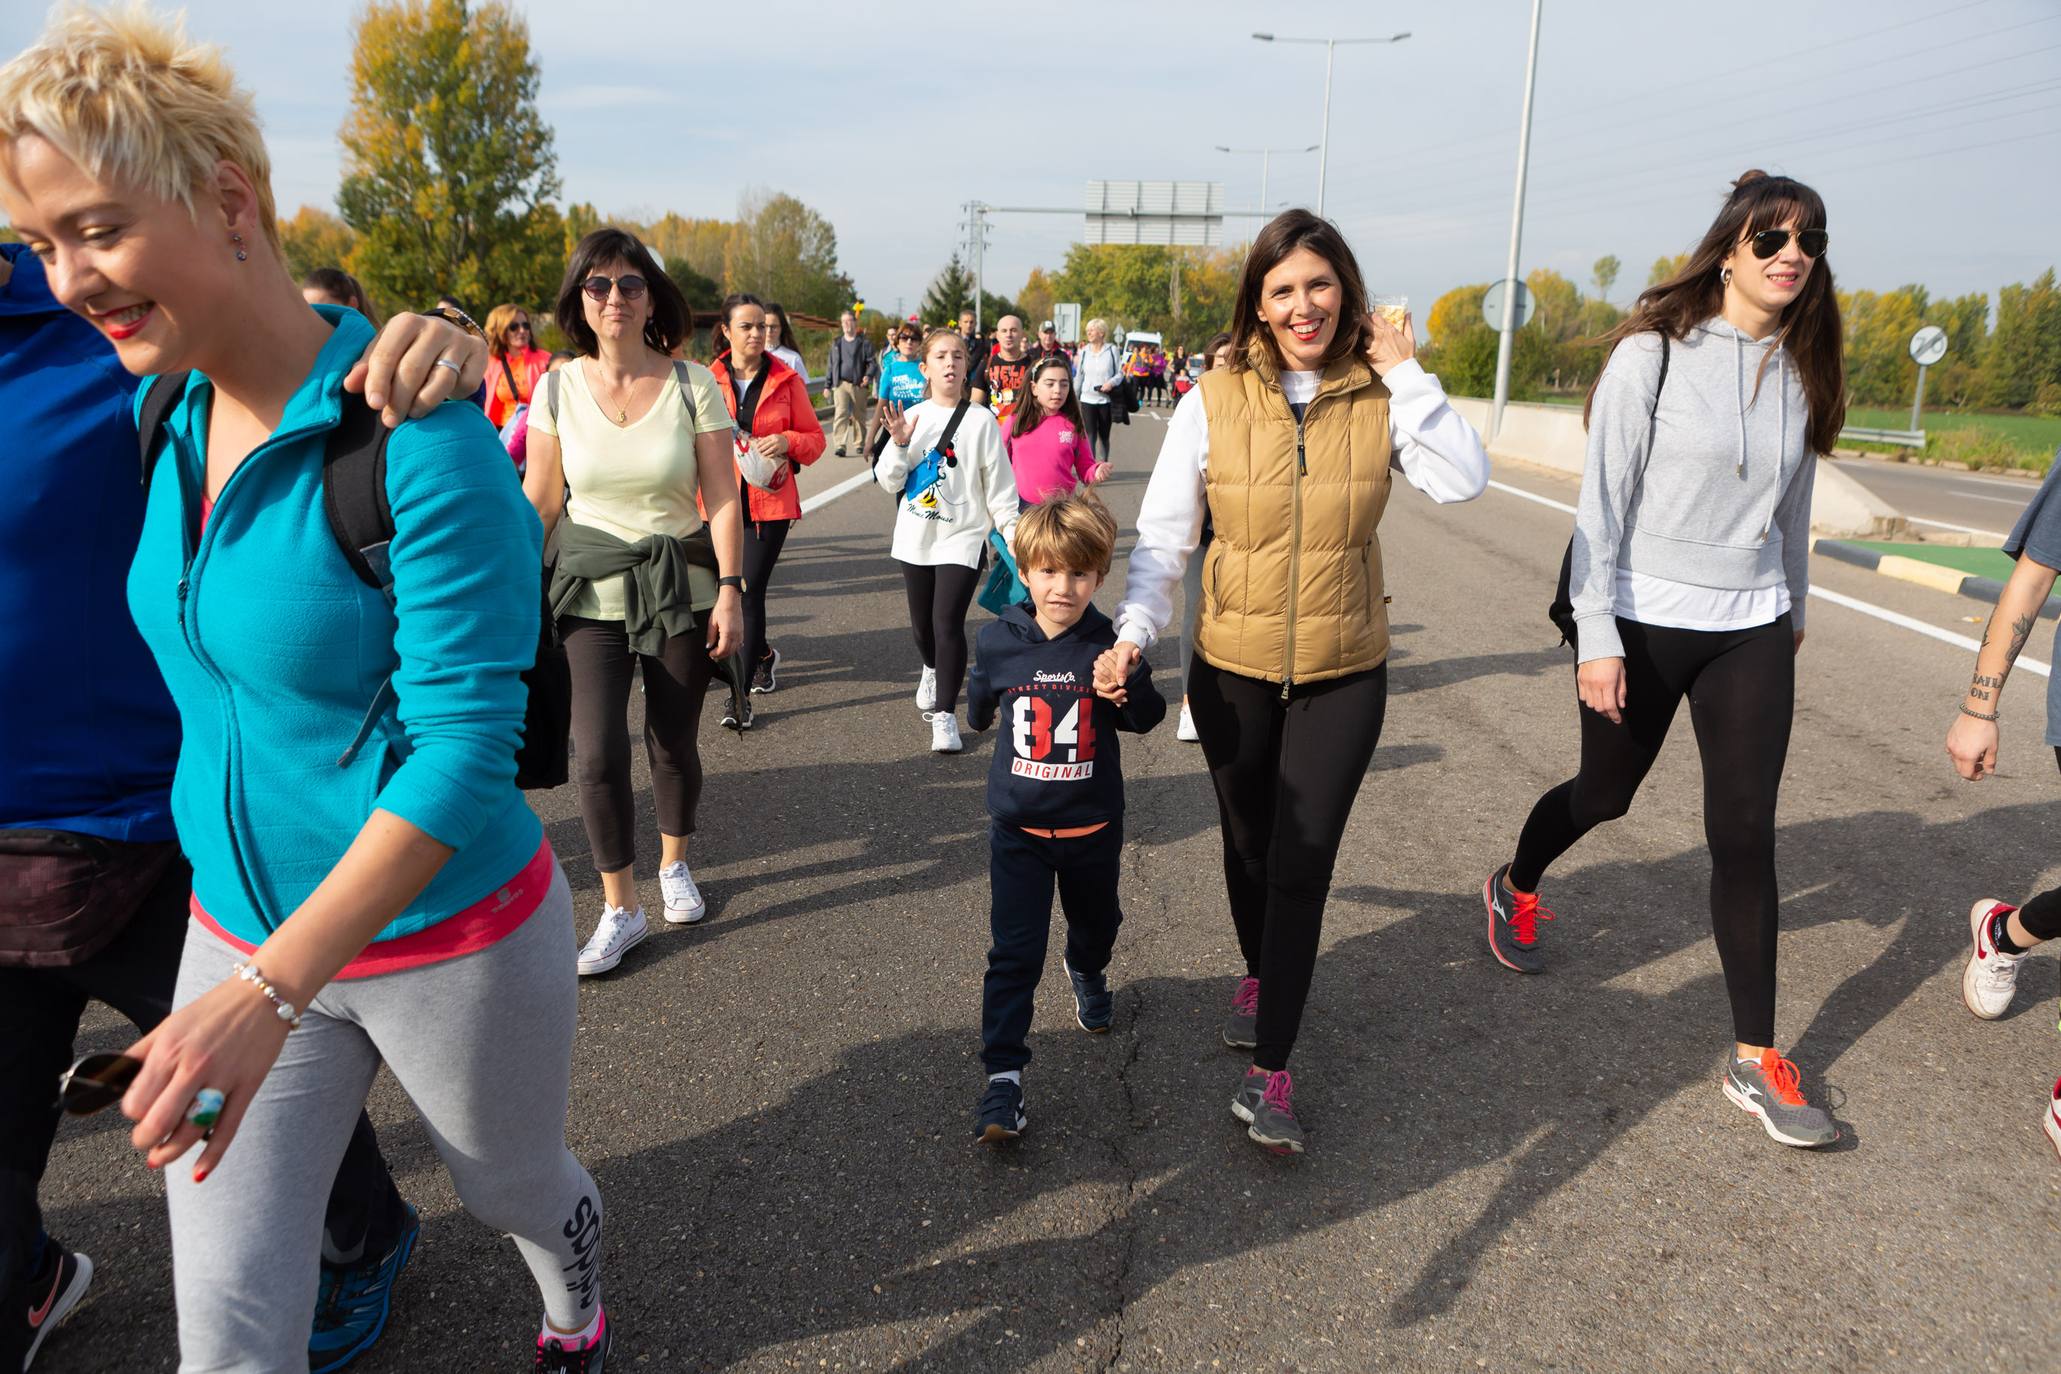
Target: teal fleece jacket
[{"x": 273, "y": 650}]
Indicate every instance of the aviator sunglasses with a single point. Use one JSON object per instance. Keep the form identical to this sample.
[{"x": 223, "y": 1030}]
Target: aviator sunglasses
[
  {"x": 96, "y": 1082},
  {"x": 598, "y": 287},
  {"x": 1769, "y": 242}
]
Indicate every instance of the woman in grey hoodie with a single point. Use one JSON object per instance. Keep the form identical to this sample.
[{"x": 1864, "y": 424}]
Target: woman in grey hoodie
[{"x": 1687, "y": 574}]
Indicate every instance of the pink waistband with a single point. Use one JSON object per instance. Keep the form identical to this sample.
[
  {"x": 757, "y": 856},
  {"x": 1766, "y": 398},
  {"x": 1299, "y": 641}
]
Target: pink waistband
[{"x": 497, "y": 914}]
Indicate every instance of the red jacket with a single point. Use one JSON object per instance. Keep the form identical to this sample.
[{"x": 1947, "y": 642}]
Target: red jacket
[{"x": 784, "y": 408}]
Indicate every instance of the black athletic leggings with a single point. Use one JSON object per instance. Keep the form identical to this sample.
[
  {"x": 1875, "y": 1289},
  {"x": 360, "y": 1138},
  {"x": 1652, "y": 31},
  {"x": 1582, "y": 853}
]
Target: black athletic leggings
[
  {"x": 763, "y": 540},
  {"x": 1097, "y": 421},
  {"x": 1741, "y": 686},
  {"x": 675, "y": 684},
  {"x": 938, "y": 600},
  {"x": 2042, "y": 914},
  {"x": 1286, "y": 774}
]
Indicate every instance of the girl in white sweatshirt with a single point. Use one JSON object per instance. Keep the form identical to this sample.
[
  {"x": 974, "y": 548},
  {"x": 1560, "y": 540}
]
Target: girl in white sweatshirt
[{"x": 951, "y": 495}]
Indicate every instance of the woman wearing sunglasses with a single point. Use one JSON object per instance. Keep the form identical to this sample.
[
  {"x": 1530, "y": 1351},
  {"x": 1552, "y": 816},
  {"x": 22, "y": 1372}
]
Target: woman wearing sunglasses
[
  {"x": 1687, "y": 574},
  {"x": 514, "y": 362},
  {"x": 368, "y": 884},
  {"x": 617, "y": 455}
]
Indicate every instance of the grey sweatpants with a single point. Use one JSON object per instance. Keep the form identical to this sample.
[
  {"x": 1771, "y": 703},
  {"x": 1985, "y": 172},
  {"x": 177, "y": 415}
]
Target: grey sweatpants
[{"x": 483, "y": 1046}]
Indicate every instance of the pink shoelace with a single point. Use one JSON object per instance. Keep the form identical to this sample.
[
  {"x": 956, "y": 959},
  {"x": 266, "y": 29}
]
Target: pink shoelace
[
  {"x": 1246, "y": 1000},
  {"x": 1279, "y": 1087}
]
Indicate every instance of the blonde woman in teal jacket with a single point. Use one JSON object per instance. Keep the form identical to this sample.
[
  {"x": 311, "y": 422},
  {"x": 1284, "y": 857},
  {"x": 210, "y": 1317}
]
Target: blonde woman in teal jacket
[{"x": 396, "y": 902}]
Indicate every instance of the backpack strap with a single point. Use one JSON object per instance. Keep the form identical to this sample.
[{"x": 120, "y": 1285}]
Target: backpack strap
[
  {"x": 686, "y": 381},
  {"x": 361, "y": 520},
  {"x": 551, "y": 397},
  {"x": 944, "y": 440},
  {"x": 159, "y": 397}
]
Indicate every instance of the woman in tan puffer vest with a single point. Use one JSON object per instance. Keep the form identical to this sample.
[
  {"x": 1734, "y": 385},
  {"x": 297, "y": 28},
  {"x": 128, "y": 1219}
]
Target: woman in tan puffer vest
[{"x": 1290, "y": 451}]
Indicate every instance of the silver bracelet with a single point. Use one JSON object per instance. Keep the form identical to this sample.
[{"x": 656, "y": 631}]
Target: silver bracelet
[
  {"x": 1991, "y": 717},
  {"x": 248, "y": 972}
]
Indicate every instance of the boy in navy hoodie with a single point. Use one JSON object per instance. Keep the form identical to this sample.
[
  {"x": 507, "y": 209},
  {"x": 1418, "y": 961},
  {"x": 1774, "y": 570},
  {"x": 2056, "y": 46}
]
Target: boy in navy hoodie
[{"x": 1055, "y": 791}]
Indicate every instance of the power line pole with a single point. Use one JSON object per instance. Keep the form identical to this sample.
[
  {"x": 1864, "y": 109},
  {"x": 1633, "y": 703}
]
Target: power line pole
[{"x": 1506, "y": 344}]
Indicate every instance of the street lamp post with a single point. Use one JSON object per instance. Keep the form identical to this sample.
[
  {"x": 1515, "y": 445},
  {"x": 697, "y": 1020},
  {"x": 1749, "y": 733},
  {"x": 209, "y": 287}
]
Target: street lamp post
[
  {"x": 1507, "y": 340},
  {"x": 1330, "y": 51},
  {"x": 1266, "y": 156}
]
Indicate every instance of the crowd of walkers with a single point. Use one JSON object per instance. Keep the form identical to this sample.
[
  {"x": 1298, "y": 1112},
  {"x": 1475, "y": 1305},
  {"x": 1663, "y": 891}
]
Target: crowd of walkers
[{"x": 181, "y": 839}]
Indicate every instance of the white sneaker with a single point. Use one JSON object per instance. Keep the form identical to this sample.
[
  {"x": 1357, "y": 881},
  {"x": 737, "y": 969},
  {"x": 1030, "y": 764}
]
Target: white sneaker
[
  {"x": 618, "y": 932},
  {"x": 926, "y": 691},
  {"x": 684, "y": 906},
  {"x": 2054, "y": 1118},
  {"x": 1991, "y": 976},
  {"x": 1185, "y": 731},
  {"x": 944, "y": 732}
]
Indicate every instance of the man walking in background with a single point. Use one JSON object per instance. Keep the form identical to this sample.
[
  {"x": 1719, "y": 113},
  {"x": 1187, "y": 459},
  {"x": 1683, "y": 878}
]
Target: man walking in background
[{"x": 850, "y": 374}]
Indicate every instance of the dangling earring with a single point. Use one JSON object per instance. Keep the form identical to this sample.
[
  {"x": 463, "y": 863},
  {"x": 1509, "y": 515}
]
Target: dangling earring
[
  {"x": 1724, "y": 276},
  {"x": 241, "y": 256}
]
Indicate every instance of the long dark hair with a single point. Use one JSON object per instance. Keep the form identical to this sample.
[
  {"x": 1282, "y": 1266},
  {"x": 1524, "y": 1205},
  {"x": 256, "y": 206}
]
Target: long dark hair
[
  {"x": 719, "y": 336},
  {"x": 1027, "y": 399},
  {"x": 785, "y": 338},
  {"x": 665, "y": 330},
  {"x": 1209, "y": 350},
  {"x": 1286, "y": 232},
  {"x": 1809, "y": 332}
]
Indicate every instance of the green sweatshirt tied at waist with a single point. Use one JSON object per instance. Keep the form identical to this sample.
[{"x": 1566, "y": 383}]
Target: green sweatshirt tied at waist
[{"x": 666, "y": 581}]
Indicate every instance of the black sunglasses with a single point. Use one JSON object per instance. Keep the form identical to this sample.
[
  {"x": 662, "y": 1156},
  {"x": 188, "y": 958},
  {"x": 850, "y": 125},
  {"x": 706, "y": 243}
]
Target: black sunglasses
[
  {"x": 597, "y": 288},
  {"x": 96, "y": 1082},
  {"x": 1769, "y": 242}
]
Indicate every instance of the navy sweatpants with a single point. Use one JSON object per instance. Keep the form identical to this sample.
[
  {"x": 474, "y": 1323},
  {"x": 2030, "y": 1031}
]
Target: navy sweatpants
[{"x": 1022, "y": 870}]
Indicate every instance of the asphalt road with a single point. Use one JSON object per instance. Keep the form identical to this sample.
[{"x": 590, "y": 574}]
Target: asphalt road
[
  {"x": 1505, "y": 1173},
  {"x": 1943, "y": 499}
]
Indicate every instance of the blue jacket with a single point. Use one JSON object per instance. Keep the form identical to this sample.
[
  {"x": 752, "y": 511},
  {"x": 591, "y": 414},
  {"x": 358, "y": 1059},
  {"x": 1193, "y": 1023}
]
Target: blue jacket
[
  {"x": 90, "y": 737},
  {"x": 1056, "y": 760},
  {"x": 273, "y": 650}
]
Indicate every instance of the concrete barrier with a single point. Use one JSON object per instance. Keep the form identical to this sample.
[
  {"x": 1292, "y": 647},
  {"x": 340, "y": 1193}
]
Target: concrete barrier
[{"x": 1552, "y": 437}]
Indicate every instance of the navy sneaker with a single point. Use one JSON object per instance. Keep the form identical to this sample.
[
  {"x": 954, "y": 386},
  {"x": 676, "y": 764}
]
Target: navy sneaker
[
  {"x": 1001, "y": 1112},
  {"x": 351, "y": 1313},
  {"x": 1093, "y": 1007},
  {"x": 54, "y": 1290}
]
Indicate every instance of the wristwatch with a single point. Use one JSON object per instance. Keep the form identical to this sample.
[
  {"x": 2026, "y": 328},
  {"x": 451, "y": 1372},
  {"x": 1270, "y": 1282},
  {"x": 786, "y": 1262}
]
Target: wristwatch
[
  {"x": 731, "y": 581},
  {"x": 451, "y": 314}
]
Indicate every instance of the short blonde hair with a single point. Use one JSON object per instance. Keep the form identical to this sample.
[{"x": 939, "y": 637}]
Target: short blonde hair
[
  {"x": 1076, "y": 533},
  {"x": 127, "y": 95},
  {"x": 1092, "y": 325}
]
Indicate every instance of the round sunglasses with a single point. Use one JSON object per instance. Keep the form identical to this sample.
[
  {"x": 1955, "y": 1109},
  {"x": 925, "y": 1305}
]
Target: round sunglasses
[
  {"x": 598, "y": 287},
  {"x": 1769, "y": 242}
]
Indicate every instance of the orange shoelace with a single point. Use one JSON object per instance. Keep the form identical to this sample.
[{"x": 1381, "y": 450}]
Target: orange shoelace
[
  {"x": 1525, "y": 920},
  {"x": 1780, "y": 1076}
]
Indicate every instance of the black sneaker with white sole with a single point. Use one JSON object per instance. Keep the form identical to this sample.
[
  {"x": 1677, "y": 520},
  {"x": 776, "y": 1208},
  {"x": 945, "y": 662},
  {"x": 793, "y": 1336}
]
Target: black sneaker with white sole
[
  {"x": 1001, "y": 1114},
  {"x": 1093, "y": 1006},
  {"x": 734, "y": 719},
  {"x": 54, "y": 1290},
  {"x": 765, "y": 677}
]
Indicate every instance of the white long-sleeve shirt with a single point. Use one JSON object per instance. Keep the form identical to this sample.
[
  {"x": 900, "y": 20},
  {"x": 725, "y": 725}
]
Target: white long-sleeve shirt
[
  {"x": 949, "y": 522},
  {"x": 1436, "y": 451}
]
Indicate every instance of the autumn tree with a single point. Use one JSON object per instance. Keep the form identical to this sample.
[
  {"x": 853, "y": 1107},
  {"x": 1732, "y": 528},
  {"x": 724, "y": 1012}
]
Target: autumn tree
[
  {"x": 449, "y": 167},
  {"x": 1604, "y": 274},
  {"x": 315, "y": 238},
  {"x": 1663, "y": 268}
]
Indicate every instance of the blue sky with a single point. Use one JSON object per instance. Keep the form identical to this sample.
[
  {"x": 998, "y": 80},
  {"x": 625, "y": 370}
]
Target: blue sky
[{"x": 1933, "y": 130}]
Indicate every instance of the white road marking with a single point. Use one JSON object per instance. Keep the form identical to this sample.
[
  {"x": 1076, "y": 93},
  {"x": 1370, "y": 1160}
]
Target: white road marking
[
  {"x": 1958, "y": 529},
  {"x": 849, "y": 484},
  {"x": 1901, "y": 621},
  {"x": 2015, "y": 501}
]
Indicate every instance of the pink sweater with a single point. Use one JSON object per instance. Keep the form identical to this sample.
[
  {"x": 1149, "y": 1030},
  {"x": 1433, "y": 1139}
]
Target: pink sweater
[{"x": 1050, "y": 458}]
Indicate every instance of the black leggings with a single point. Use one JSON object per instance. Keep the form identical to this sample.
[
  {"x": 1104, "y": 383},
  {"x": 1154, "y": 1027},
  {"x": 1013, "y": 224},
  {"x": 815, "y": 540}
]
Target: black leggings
[
  {"x": 763, "y": 540},
  {"x": 939, "y": 597},
  {"x": 1097, "y": 420},
  {"x": 2042, "y": 914},
  {"x": 675, "y": 683},
  {"x": 1285, "y": 775},
  {"x": 1741, "y": 686}
]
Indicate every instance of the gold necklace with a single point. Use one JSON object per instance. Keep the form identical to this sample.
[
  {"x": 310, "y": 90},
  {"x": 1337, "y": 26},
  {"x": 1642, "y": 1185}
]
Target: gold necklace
[{"x": 622, "y": 414}]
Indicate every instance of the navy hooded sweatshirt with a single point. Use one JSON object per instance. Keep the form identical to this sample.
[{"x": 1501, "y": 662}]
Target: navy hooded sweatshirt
[
  {"x": 91, "y": 739},
  {"x": 1056, "y": 760}
]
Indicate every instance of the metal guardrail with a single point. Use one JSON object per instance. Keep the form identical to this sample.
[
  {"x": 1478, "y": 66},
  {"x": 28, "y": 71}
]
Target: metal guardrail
[{"x": 1902, "y": 438}]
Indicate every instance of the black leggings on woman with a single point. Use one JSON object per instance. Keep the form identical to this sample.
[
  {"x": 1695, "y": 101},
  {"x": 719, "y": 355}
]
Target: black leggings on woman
[
  {"x": 1286, "y": 774},
  {"x": 1741, "y": 686},
  {"x": 939, "y": 597},
  {"x": 1097, "y": 420},
  {"x": 763, "y": 540},
  {"x": 675, "y": 684}
]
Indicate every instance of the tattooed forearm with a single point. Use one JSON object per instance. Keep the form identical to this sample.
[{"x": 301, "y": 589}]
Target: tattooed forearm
[
  {"x": 2021, "y": 630},
  {"x": 1982, "y": 688}
]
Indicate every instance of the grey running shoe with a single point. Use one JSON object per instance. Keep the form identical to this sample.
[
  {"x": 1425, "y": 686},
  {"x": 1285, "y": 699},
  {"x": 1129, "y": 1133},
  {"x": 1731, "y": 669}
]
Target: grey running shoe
[
  {"x": 1263, "y": 1103},
  {"x": 1001, "y": 1115},
  {"x": 1093, "y": 1007},
  {"x": 1514, "y": 924},
  {"x": 1768, "y": 1090},
  {"x": 1241, "y": 1027}
]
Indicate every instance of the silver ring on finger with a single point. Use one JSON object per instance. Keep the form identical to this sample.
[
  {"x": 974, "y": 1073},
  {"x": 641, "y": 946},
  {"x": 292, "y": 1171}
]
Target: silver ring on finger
[{"x": 446, "y": 362}]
